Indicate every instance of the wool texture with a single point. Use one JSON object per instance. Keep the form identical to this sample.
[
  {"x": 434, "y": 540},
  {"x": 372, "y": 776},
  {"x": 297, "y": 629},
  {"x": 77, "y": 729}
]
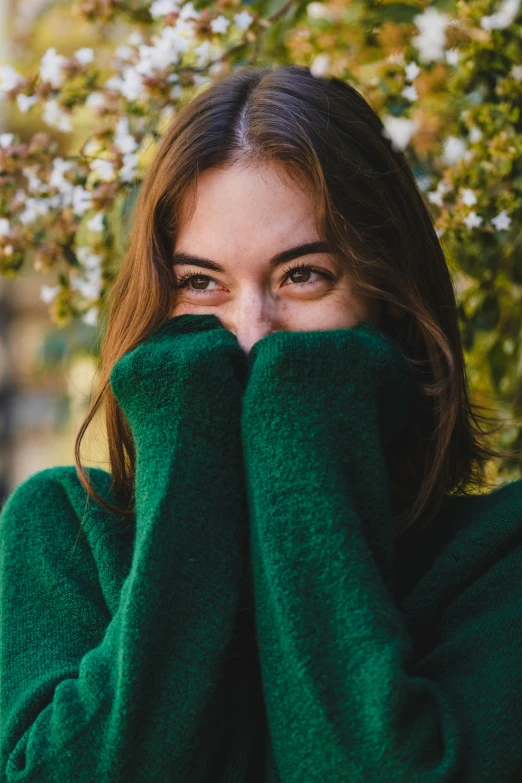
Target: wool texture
[
  {"x": 351, "y": 695},
  {"x": 119, "y": 656},
  {"x": 255, "y": 622}
]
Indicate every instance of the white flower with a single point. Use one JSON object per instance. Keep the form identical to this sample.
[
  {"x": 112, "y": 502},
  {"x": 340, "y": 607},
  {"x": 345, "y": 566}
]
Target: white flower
[
  {"x": 454, "y": 149},
  {"x": 516, "y": 72},
  {"x": 505, "y": 16},
  {"x": 48, "y": 293},
  {"x": 318, "y": 11},
  {"x": 9, "y": 78},
  {"x": 200, "y": 78},
  {"x": 51, "y": 68},
  {"x": 35, "y": 184},
  {"x": 84, "y": 55},
  {"x": 6, "y": 139},
  {"x": 410, "y": 93},
  {"x": 181, "y": 37},
  {"x": 60, "y": 165},
  {"x": 203, "y": 54},
  {"x": 25, "y": 101},
  {"x": 87, "y": 257},
  {"x": 29, "y": 214},
  {"x": 152, "y": 59},
  {"x": 502, "y": 221},
  {"x": 131, "y": 86},
  {"x": 56, "y": 179},
  {"x": 435, "y": 197},
  {"x": 104, "y": 168},
  {"x": 216, "y": 68},
  {"x": 34, "y": 207},
  {"x": 135, "y": 38},
  {"x": 91, "y": 316},
  {"x": 432, "y": 37},
  {"x": 412, "y": 71},
  {"x": 128, "y": 170},
  {"x": 56, "y": 117},
  {"x": 89, "y": 284},
  {"x": 319, "y": 66},
  {"x": 93, "y": 147},
  {"x": 95, "y": 100},
  {"x": 88, "y": 287},
  {"x": 164, "y": 53},
  {"x": 473, "y": 220},
  {"x": 177, "y": 90},
  {"x": 220, "y": 24},
  {"x": 475, "y": 134},
  {"x": 124, "y": 140},
  {"x": 81, "y": 200},
  {"x": 124, "y": 52},
  {"x": 163, "y": 7},
  {"x": 468, "y": 197},
  {"x": 42, "y": 206},
  {"x": 443, "y": 187},
  {"x": 189, "y": 12},
  {"x": 113, "y": 83},
  {"x": 96, "y": 223},
  {"x": 399, "y": 130},
  {"x": 453, "y": 56},
  {"x": 244, "y": 19},
  {"x": 5, "y": 228}
]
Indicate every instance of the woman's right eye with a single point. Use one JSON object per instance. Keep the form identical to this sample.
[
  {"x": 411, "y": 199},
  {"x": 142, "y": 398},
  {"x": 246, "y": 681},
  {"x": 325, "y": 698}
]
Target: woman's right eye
[{"x": 183, "y": 282}]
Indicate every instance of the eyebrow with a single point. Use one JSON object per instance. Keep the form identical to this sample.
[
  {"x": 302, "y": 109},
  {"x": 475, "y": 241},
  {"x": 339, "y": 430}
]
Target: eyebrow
[{"x": 279, "y": 258}]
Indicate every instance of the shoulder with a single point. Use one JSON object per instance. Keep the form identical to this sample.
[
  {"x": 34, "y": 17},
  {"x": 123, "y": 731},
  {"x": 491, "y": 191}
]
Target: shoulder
[
  {"x": 495, "y": 515},
  {"x": 54, "y": 502},
  {"x": 468, "y": 535},
  {"x": 478, "y": 532}
]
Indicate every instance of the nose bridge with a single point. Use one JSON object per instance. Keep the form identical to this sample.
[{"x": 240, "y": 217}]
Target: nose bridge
[{"x": 253, "y": 315}]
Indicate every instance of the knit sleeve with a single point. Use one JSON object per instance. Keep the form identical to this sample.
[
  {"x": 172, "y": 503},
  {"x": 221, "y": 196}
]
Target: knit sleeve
[
  {"x": 347, "y": 698},
  {"x": 137, "y": 697}
]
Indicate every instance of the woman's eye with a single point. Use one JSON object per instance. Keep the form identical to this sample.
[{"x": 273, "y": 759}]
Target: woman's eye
[
  {"x": 186, "y": 283},
  {"x": 296, "y": 275}
]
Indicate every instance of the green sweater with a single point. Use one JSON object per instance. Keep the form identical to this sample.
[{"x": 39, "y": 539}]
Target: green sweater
[{"x": 255, "y": 622}]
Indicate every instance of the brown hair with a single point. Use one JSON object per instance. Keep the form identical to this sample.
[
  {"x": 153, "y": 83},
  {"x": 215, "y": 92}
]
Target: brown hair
[{"x": 368, "y": 207}]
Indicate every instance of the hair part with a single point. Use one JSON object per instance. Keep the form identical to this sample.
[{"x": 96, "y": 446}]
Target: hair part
[{"x": 322, "y": 134}]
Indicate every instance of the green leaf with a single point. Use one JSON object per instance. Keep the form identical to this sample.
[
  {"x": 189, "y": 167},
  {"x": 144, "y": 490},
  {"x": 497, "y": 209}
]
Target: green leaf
[
  {"x": 498, "y": 362},
  {"x": 487, "y": 315},
  {"x": 401, "y": 13},
  {"x": 445, "y": 5}
]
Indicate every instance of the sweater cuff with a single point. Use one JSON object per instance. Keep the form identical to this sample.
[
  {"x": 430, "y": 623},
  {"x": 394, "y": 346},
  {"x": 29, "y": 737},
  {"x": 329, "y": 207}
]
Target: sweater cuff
[{"x": 343, "y": 374}]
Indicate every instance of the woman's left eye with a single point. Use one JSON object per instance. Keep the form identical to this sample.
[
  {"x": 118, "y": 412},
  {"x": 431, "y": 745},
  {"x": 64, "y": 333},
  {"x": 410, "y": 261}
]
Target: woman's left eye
[{"x": 184, "y": 281}]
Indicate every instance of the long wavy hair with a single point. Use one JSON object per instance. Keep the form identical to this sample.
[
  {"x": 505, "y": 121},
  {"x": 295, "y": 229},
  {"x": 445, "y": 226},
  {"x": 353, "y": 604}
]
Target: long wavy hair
[{"x": 367, "y": 207}]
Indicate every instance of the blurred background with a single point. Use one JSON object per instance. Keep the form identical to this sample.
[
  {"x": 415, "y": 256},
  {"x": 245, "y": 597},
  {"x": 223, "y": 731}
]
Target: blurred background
[
  {"x": 45, "y": 383},
  {"x": 86, "y": 91}
]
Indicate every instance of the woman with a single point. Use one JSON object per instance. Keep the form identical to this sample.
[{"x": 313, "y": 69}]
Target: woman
[{"x": 284, "y": 577}]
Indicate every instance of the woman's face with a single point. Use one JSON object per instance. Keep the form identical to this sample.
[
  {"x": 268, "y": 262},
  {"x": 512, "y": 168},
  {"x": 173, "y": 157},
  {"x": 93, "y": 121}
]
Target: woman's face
[{"x": 246, "y": 271}]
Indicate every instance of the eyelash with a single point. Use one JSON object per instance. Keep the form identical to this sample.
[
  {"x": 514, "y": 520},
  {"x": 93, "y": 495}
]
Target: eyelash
[{"x": 184, "y": 279}]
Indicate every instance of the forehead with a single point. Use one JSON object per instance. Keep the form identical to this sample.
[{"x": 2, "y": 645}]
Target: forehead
[{"x": 252, "y": 203}]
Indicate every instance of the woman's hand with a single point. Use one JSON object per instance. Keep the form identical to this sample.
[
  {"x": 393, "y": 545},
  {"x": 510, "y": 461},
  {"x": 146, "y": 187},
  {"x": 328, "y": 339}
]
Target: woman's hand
[
  {"x": 190, "y": 367},
  {"x": 292, "y": 373}
]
